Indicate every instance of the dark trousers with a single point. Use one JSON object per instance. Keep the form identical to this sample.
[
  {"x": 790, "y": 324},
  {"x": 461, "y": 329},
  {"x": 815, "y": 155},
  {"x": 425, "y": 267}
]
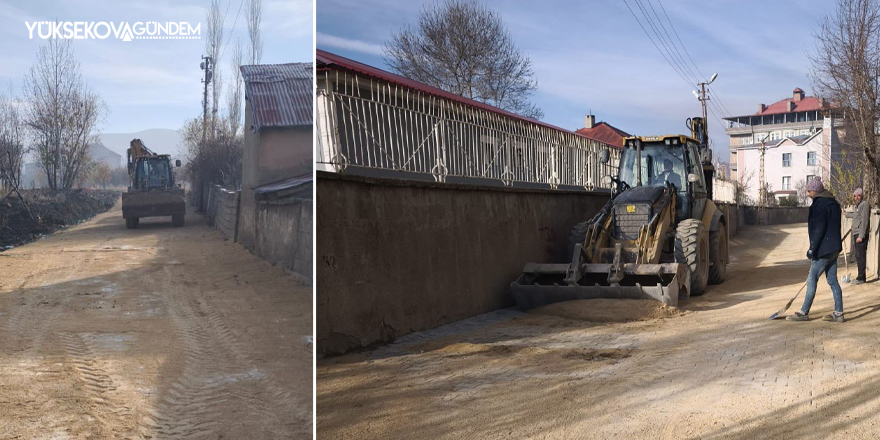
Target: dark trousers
[{"x": 861, "y": 253}]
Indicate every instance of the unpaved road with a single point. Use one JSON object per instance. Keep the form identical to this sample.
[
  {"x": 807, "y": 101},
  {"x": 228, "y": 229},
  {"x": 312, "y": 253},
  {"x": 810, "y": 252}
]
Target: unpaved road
[
  {"x": 719, "y": 370},
  {"x": 158, "y": 332}
]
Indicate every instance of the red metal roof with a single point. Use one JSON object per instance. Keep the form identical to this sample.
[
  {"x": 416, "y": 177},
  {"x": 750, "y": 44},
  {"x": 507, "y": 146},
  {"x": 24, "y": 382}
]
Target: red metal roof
[
  {"x": 327, "y": 60},
  {"x": 605, "y": 133},
  {"x": 281, "y": 95},
  {"x": 807, "y": 104}
]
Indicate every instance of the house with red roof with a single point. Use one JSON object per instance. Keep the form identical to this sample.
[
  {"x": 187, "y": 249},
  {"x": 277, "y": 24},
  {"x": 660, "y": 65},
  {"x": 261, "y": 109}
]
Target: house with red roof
[
  {"x": 800, "y": 138},
  {"x": 602, "y": 132}
]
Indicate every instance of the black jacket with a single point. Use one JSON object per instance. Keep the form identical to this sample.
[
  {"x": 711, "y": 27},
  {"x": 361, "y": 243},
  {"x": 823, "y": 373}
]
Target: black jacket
[{"x": 824, "y": 226}]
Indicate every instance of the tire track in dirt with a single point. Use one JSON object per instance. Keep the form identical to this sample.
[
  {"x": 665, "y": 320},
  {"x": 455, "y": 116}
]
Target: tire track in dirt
[
  {"x": 112, "y": 412},
  {"x": 215, "y": 366},
  {"x": 189, "y": 409},
  {"x": 35, "y": 311}
]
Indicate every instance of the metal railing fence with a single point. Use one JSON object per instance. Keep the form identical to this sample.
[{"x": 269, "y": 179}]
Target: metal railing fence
[{"x": 374, "y": 124}]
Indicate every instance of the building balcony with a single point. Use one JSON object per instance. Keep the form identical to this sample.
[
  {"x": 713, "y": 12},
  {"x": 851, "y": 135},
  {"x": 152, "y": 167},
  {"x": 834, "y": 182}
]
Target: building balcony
[{"x": 747, "y": 129}]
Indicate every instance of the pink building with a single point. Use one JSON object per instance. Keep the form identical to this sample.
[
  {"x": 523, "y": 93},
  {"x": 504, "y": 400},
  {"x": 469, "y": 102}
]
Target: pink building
[{"x": 800, "y": 138}]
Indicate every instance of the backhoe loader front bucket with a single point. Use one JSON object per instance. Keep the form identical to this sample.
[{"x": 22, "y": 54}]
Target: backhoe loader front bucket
[{"x": 542, "y": 284}]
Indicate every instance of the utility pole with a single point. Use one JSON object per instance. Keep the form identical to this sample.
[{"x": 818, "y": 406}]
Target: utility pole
[
  {"x": 703, "y": 96},
  {"x": 207, "y": 66}
]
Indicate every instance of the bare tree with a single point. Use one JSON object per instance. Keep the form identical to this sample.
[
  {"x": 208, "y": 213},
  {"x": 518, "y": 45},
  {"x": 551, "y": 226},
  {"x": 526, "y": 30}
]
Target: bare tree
[
  {"x": 12, "y": 142},
  {"x": 234, "y": 96},
  {"x": 101, "y": 174},
  {"x": 62, "y": 113},
  {"x": 216, "y": 160},
  {"x": 463, "y": 47},
  {"x": 846, "y": 176},
  {"x": 213, "y": 45},
  {"x": 254, "y": 21},
  {"x": 846, "y": 70},
  {"x": 743, "y": 185},
  {"x": 800, "y": 189}
]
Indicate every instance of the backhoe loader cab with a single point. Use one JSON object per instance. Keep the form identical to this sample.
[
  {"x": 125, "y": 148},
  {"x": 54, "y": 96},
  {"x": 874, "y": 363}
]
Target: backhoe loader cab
[
  {"x": 659, "y": 237},
  {"x": 658, "y": 160}
]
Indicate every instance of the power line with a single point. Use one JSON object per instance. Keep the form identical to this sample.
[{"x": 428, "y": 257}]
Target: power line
[
  {"x": 684, "y": 71},
  {"x": 671, "y": 44},
  {"x": 232, "y": 30},
  {"x": 681, "y": 43},
  {"x": 663, "y": 54}
]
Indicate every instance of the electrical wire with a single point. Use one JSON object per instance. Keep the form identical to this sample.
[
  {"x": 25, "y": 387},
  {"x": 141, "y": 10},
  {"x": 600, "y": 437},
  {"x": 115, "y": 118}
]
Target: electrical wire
[{"x": 669, "y": 54}]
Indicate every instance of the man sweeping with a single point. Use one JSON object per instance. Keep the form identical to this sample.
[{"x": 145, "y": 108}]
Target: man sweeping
[
  {"x": 860, "y": 224},
  {"x": 824, "y": 229}
]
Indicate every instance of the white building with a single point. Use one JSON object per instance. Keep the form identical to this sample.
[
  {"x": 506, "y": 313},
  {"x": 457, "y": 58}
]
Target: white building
[{"x": 800, "y": 137}]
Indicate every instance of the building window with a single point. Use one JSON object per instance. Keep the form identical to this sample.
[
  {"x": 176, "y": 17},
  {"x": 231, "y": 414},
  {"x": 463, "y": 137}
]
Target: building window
[
  {"x": 786, "y": 183},
  {"x": 786, "y": 159},
  {"x": 811, "y": 158},
  {"x": 775, "y": 136},
  {"x": 810, "y": 177},
  {"x": 788, "y": 133}
]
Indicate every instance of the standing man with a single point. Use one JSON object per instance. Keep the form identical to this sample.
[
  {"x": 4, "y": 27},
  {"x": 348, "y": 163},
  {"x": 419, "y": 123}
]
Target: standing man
[
  {"x": 860, "y": 225},
  {"x": 825, "y": 246}
]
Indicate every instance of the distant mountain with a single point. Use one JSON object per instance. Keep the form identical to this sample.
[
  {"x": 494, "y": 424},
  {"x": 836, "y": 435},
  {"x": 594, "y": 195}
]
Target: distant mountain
[{"x": 160, "y": 140}]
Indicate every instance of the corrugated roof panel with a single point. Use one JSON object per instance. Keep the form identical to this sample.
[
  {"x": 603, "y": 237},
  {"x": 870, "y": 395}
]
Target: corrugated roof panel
[{"x": 281, "y": 95}]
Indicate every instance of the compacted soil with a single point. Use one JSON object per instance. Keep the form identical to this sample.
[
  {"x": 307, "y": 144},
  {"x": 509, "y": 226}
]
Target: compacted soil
[
  {"x": 716, "y": 368},
  {"x": 157, "y": 332}
]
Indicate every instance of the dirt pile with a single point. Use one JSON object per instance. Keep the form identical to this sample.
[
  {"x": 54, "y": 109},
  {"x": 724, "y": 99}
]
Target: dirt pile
[
  {"x": 526, "y": 353},
  {"x": 52, "y": 210},
  {"x": 608, "y": 310}
]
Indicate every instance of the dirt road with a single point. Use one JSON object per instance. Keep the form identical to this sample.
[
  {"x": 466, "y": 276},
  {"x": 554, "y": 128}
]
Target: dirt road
[
  {"x": 718, "y": 370},
  {"x": 157, "y": 332}
]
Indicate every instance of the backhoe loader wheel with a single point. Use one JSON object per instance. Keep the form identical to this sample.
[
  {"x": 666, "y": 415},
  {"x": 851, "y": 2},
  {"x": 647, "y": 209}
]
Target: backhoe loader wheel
[
  {"x": 692, "y": 248},
  {"x": 577, "y": 236},
  {"x": 131, "y": 223},
  {"x": 718, "y": 255}
]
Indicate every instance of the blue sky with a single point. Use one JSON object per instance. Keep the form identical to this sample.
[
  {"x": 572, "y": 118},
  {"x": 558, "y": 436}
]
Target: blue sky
[
  {"x": 149, "y": 83},
  {"x": 592, "y": 55}
]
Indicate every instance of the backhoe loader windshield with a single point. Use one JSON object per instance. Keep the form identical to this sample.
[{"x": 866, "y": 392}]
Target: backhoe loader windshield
[
  {"x": 660, "y": 164},
  {"x": 153, "y": 173}
]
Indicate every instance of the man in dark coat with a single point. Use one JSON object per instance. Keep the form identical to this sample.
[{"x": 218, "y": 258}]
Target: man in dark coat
[
  {"x": 860, "y": 224},
  {"x": 825, "y": 246}
]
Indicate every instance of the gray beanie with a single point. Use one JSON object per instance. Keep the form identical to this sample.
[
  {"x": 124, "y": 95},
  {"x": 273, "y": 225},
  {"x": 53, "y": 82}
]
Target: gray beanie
[
  {"x": 858, "y": 192},
  {"x": 815, "y": 185}
]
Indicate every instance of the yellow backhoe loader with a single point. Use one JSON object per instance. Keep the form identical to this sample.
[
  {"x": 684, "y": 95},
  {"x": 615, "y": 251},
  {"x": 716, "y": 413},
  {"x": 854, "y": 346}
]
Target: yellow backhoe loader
[
  {"x": 660, "y": 236},
  {"x": 151, "y": 190}
]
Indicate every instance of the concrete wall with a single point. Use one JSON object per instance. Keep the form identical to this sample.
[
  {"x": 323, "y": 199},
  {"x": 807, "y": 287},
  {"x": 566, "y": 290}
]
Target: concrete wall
[
  {"x": 284, "y": 236},
  {"x": 270, "y": 155},
  {"x": 279, "y": 231},
  {"x": 733, "y": 218},
  {"x": 222, "y": 211},
  {"x": 396, "y": 257},
  {"x": 776, "y": 216}
]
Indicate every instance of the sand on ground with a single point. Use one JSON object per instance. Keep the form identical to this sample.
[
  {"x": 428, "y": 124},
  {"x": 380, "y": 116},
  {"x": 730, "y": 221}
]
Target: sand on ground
[
  {"x": 157, "y": 332},
  {"x": 716, "y": 368}
]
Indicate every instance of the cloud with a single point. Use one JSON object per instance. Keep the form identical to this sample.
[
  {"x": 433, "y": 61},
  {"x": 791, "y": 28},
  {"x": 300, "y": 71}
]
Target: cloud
[
  {"x": 290, "y": 17},
  {"x": 328, "y": 40}
]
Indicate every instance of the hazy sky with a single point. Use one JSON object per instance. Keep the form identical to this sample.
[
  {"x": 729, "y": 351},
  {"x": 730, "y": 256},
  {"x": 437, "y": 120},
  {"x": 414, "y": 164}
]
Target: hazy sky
[
  {"x": 150, "y": 83},
  {"x": 592, "y": 55}
]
